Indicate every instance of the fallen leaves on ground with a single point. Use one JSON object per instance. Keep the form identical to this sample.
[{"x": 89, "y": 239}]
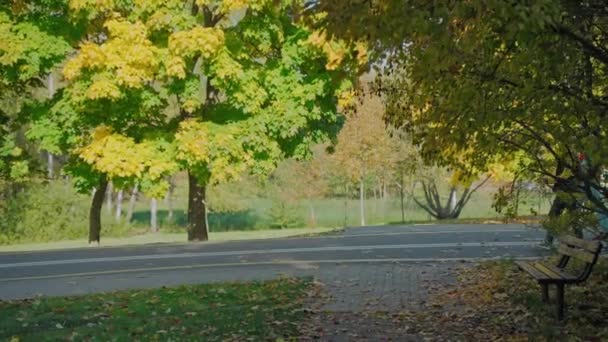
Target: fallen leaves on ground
[{"x": 492, "y": 301}]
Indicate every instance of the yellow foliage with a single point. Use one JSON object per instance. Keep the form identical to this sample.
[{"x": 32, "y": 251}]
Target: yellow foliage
[
  {"x": 226, "y": 67},
  {"x": 460, "y": 178},
  {"x": 205, "y": 41},
  {"x": 128, "y": 56},
  {"x": 336, "y": 50},
  {"x": 346, "y": 98},
  {"x": 193, "y": 142},
  {"x": 118, "y": 156},
  {"x": 229, "y": 6},
  {"x": 176, "y": 67},
  {"x": 503, "y": 170},
  {"x": 220, "y": 152},
  {"x": 199, "y": 41},
  {"x": 191, "y": 105},
  {"x": 103, "y": 88},
  {"x": 90, "y": 56},
  {"x": 361, "y": 49},
  {"x": 100, "y": 5},
  {"x": 114, "y": 155}
]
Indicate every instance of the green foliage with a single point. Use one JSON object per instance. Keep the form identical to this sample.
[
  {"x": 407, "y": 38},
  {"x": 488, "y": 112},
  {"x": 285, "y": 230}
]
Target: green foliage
[
  {"x": 571, "y": 222},
  {"x": 27, "y": 52}
]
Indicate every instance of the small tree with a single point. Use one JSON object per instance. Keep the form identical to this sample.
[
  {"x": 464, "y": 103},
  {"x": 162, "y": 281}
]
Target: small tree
[
  {"x": 304, "y": 180},
  {"x": 364, "y": 146}
]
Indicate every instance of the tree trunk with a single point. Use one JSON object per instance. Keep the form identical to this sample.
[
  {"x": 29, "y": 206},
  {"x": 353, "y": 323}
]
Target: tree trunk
[
  {"x": 95, "y": 212},
  {"x": 402, "y": 196},
  {"x": 50, "y": 157},
  {"x": 362, "y": 201},
  {"x": 197, "y": 211},
  {"x": 345, "y": 206},
  {"x": 376, "y": 192},
  {"x": 50, "y": 165},
  {"x": 384, "y": 191},
  {"x": 119, "y": 198},
  {"x": 109, "y": 194},
  {"x": 451, "y": 201},
  {"x": 313, "y": 218},
  {"x": 153, "y": 212},
  {"x": 132, "y": 201},
  {"x": 170, "y": 199},
  {"x": 517, "y": 193}
]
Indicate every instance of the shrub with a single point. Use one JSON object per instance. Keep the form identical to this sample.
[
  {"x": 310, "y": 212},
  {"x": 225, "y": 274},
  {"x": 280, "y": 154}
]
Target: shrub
[
  {"x": 284, "y": 214},
  {"x": 51, "y": 211}
]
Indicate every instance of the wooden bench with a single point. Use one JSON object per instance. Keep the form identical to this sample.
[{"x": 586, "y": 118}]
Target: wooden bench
[{"x": 546, "y": 274}]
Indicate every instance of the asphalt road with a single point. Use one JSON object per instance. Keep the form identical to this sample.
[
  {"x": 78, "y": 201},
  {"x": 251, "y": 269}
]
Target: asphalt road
[{"x": 79, "y": 271}]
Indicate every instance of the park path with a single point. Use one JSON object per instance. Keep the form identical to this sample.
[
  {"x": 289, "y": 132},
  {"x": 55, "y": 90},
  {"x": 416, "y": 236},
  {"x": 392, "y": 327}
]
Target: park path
[{"x": 365, "y": 302}]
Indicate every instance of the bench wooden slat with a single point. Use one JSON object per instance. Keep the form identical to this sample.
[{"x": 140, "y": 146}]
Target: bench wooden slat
[
  {"x": 576, "y": 253},
  {"x": 529, "y": 267},
  {"x": 590, "y": 246},
  {"x": 552, "y": 274},
  {"x": 556, "y": 271}
]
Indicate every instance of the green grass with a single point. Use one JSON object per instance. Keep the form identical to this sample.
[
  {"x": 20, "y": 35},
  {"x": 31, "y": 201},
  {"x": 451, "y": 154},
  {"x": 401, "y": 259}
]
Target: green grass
[
  {"x": 334, "y": 212},
  {"x": 235, "y": 311},
  {"x": 152, "y": 238}
]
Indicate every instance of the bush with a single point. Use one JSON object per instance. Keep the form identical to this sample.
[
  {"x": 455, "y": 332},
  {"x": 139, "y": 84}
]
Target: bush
[
  {"x": 45, "y": 212},
  {"x": 50, "y": 211},
  {"x": 284, "y": 214}
]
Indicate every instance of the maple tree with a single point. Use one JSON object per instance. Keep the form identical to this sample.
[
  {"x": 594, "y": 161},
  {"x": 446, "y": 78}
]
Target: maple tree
[{"x": 216, "y": 88}]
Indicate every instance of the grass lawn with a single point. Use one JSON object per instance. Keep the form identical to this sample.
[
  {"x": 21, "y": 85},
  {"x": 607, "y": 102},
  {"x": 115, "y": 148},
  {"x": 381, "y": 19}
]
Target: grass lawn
[
  {"x": 217, "y": 312},
  {"x": 152, "y": 238}
]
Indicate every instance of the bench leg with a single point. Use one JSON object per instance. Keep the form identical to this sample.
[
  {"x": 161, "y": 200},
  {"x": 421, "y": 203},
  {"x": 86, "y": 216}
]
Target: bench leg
[
  {"x": 560, "y": 301},
  {"x": 545, "y": 292}
]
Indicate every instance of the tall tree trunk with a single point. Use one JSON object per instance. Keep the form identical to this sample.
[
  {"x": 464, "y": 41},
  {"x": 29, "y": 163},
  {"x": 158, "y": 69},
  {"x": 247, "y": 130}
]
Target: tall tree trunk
[
  {"x": 375, "y": 188},
  {"x": 49, "y": 155},
  {"x": 118, "y": 213},
  {"x": 384, "y": 191},
  {"x": 517, "y": 193},
  {"x": 50, "y": 162},
  {"x": 402, "y": 197},
  {"x": 362, "y": 201},
  {"x": 345, "y": 206},
  {"x": 313, "y": 218},
  {"x": 169, "y": 198},
  {"x": 451, "y": 202},
  {"x": 197, "y": 211},
  {"x": 95, "y": 212},
  {"x": 132, "y": 202},
  {"x": 109, "y": 194},
  {"x": 153, "y": 217}
]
